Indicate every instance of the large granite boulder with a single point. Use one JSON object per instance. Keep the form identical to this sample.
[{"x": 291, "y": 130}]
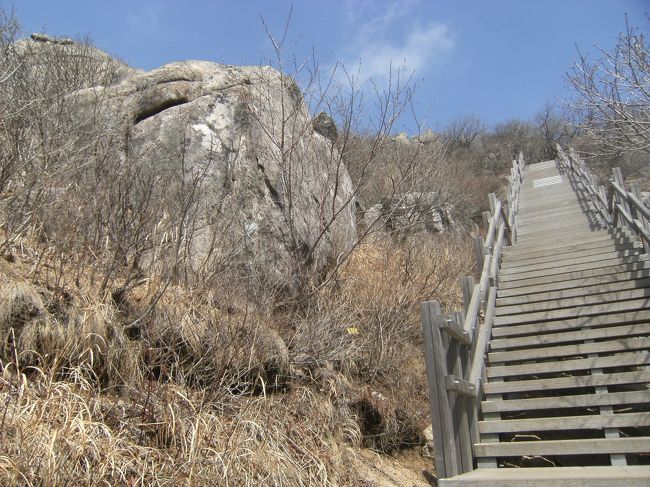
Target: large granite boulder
[
  {"x": 274, "y": 196},
  {"x": 52, "y": 63}
]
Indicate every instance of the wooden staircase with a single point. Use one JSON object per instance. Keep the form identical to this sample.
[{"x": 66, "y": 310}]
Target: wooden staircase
[{"x": 563, "y": 397}]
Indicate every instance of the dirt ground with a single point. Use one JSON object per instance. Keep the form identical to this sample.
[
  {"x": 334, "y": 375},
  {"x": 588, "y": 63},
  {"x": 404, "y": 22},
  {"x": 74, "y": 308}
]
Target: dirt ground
[{"x": 406, "y": 469}]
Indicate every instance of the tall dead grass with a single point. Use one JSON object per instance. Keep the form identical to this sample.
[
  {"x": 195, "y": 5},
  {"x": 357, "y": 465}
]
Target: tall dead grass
[
  {"x": 209, "y": 394},
  {"x": 65, "y": 433},
  {"x": 361, "y": 323},
  {"x": 367, "y": 328}
]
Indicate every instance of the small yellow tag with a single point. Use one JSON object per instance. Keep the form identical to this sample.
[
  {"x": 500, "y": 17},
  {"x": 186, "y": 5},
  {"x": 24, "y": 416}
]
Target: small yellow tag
[{"x": 352, "y": 330}]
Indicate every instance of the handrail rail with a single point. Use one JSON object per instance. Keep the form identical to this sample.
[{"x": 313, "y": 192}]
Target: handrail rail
[
  {"x": 631, "y": 199},
  {"x": 619, "y": 207},
  {"x": 456, "y": 343},
  {"x": 478, "y": 298}
]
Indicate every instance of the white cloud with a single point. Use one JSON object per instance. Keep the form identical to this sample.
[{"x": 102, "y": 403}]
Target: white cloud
[
  {"x": 393, "y": 39},
  {"x": 422, "y": 46}
]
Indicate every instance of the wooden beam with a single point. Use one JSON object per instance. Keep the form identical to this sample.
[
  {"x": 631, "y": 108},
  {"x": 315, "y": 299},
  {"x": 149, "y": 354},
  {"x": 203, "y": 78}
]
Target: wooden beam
[
  {"x": 482, "y": 340},
  {"x": 575, "y": 382},
  {"x": 588, "y": 421},
  {"x": 567, "y": 401},
  {"x": 460, "y": 386},
  {"x": 441, "y": 419},
  {"x": 565, "y": 447}
]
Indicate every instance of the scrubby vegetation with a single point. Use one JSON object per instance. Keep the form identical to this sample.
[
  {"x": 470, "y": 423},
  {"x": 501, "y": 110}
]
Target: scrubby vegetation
[
  {"x": 611, "y": 105},
  {"x": 122, "y": 364}
]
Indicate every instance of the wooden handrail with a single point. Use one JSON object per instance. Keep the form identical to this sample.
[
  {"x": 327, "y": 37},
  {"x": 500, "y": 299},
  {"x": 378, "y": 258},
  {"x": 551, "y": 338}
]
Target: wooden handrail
[
  {"x": 618, "y": 206},
  {"x": 462, "y": 339},
  {"x": 478, "y": 297},
  {"x": 631, "y": 199},
  {"x": 456, "y": 343},
  {"x": 494, "y": 223},
  {"x": 482, "y": 340}
]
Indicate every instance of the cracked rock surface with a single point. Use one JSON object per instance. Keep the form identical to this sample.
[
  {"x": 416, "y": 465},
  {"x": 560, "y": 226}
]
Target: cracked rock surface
[{"x": 272, "y": 192}]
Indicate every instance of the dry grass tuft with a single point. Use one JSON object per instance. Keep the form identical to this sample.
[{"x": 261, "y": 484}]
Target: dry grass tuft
[
  {"x": 61, "y": 433},
  {"x": 19, "y": 300},
  {"x": 367, "y": 327},
  {"x": 189, "y": 386}
]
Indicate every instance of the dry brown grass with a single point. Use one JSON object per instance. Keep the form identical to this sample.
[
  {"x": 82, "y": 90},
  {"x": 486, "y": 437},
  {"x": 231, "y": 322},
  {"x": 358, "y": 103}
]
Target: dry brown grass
[
  {"x": 65, "y": 433},
  {"x": 367, "y": 328},
  {"x": 360, "y": 323},
  {"x": 198, "y": 387}
]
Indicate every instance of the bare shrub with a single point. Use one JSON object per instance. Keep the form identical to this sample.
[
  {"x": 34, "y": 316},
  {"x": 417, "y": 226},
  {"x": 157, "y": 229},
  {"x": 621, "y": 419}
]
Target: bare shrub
[
  {"x": 472, "y": 194},
  {"x": 610, "y": 107},
  {"x": 367, "y": 327},
  {"x": 553, "y": 129},
  {"x": 463, "y": 131},
  {"x": 361, "y": 323},
  {"x": 612, "y": 99}
]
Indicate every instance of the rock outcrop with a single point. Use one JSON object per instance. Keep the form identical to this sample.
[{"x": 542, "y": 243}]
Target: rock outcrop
[
  {"x": 38, "y": 37},
  {"x": 412, "y": 213},
  {"x": 242, "y": 140},
  {"x": 325, "y": 126},
  {"x": 70, "y": 64}
]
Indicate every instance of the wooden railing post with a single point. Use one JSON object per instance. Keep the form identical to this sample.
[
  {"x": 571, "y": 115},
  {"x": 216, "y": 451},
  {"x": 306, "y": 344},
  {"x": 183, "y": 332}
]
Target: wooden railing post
[
  {"x": 492, "y": 198},
  {"x": 441, "y": 418},
  {"x": 486, "y": 218},
  {"x": 450, "y": 342},
  {"x": 467, "y": 286},
  {"x": 479, "y": 251},
  {"x": 643, "y": 219},
  {"x": 458, "y": 364},
  {"x": 619, "y": 202},
  {"x": 629, "y": 208}
]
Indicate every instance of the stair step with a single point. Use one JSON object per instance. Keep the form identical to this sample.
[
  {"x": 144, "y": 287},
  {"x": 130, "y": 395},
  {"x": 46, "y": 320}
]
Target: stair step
[
  {"x": 557, "y": 221},
  {"x": 572, "y": 260},
  {"x": 566, "y": 402},
  {"x": 575, "y": 230},
  {"x": 571, "y": 336},
  {"x": 573, "y": 268},
  {"x": 557, "y": 383},
  {"x": 585, "y": 300},
  {"x": 593, "y": 446},
  {"x": 543, "y": 246},
  {"x": 512, "y": 253},
  {"x": 547, "y": 239},
  {"x": 593, "y": 249},
  {"x": 566, "y": 213},
  {"x": 629, "y": 317},
  {"x": 589, "y": 290},
  {"x": 627, "y": 476},
  {"x": 575, "y": 312},
  {"x": 641, "y": 264},
  {"x": 610, "y": 346},
  {"x": 584, "y": 422}
]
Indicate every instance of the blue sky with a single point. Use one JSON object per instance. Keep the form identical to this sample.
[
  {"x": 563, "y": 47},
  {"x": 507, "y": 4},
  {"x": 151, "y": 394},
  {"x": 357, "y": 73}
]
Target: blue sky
[{"x": 498, "y": 59}]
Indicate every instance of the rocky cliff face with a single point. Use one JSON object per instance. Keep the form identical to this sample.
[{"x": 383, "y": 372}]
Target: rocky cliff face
[
  {"x": 413, "y": 213},
  {"x": 274, "y": 194}
]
